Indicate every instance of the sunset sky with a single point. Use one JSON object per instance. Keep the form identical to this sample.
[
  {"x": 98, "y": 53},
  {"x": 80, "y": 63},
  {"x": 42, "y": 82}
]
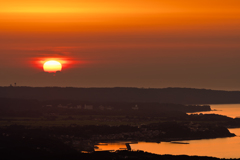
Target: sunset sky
[{"x": 121, "y": 43}]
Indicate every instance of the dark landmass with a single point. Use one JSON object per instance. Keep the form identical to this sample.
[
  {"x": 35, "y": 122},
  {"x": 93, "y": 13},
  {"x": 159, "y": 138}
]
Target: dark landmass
[
  {"x": 165, "y": 95},
  {"x": 63, "y": 128},
  {"x": 31, "y": 127},
  {"x": 21, "y": 142},
  {"x": 72, "y": 112},
  {"x": 36, "y": 108},
  {"x": 83, "y": 138}
]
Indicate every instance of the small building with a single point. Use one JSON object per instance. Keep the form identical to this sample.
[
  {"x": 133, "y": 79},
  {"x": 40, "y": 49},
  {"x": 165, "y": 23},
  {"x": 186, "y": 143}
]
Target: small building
[
  {"x": 109, "y": 108},
  {"x": 79, "y": 107},
  {"x": 88, "y": 107},
  {"x": 101, "y": 107},
  {"x": 135, "y": 107},
  {"x": 61, "y": 106}
]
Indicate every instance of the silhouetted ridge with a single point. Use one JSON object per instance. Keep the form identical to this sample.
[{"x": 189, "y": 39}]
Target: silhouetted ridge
[{"x": 118, "y": 94}]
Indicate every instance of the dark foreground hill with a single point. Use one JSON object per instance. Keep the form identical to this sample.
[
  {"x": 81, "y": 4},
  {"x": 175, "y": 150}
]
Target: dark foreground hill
[
  {"x": 27, "y": 154},
  {"x": 165, "y": 95}
]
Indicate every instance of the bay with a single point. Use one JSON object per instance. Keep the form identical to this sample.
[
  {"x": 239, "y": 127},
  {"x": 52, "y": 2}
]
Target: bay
[
  {"x": 230, "y": 110},
  {"x": 218, "y": 147}
]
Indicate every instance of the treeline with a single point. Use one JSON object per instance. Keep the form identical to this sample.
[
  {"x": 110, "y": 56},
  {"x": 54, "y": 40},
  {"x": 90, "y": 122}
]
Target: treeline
[{"x": 165, "y": 95}]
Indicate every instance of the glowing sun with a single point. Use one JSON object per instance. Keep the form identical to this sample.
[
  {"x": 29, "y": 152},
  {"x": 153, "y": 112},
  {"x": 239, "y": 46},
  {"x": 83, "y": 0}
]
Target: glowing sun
[{"x": 52, "y": 66}]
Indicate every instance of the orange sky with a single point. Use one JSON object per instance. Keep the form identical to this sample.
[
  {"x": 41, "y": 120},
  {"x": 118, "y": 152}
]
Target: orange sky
[
  {"x": 127, "y": 15},
  {"x": 154, "y": 43},
  {"x": 119, "y": 6}
]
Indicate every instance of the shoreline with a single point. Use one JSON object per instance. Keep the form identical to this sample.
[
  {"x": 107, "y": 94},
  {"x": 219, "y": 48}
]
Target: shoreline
[{"x": 170, "y": 140}]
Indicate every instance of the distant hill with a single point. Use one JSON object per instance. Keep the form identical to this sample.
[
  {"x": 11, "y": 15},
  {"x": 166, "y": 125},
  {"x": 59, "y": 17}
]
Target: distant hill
[{"x": 164, "y": 95}]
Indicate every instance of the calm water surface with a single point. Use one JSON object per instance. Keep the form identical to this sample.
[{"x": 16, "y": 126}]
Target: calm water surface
[
  {"x": 219, "y": 147},
  {"x": 230, "y": 110}
]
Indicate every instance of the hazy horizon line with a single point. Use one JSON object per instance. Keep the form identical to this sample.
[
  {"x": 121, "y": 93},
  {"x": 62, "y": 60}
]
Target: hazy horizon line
[{"x": 123, "y": 88}]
